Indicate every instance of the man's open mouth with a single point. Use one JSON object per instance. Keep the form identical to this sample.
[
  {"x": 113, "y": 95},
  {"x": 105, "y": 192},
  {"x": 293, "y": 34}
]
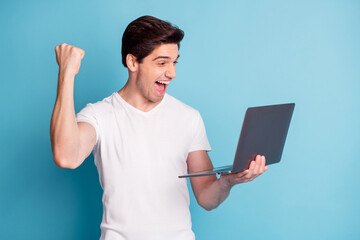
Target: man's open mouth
[{"x": 160, "y": 86}]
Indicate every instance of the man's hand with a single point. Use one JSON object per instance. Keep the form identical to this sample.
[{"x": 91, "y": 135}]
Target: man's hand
[
  {"x": 209, "y": 191},
  {"x": 69, "y": 59},
  {"x": 256, "y": 168}
]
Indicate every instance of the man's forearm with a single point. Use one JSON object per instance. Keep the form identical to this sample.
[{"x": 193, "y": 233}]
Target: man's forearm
[
  {"x": 64, "y": 132},
  {"x": 214, "y": 194}
]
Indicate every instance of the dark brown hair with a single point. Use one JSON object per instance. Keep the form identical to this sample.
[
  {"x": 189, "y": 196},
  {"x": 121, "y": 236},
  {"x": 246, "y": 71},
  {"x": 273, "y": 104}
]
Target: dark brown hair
[{"x": 146, "y": 33}]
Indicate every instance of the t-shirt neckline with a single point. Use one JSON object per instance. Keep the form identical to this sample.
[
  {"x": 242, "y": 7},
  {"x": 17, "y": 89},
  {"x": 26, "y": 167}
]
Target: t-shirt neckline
[{"x": 128, "y": 105}]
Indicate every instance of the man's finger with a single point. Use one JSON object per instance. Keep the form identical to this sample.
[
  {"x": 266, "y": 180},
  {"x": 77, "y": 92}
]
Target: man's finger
[
  {"x": 251, "y": 170},
  {"x": 262, "y": 166},
  {"x": 56, "y": 53},
  {"x": 257, "y": 164},
  {"x": 82, "y": 53},
  {"x": 79, "y": 50}
]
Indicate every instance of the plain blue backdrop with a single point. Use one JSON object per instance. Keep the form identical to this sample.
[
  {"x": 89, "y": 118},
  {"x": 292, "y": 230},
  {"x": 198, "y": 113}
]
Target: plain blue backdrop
[{"x": 235, "y": 54}]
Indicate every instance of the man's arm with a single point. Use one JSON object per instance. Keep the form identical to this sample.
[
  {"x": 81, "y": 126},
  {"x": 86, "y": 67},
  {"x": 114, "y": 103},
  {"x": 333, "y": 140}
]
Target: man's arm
[
  {"x": 209, "y": 191},
  {"x": 71, "y": 142}
]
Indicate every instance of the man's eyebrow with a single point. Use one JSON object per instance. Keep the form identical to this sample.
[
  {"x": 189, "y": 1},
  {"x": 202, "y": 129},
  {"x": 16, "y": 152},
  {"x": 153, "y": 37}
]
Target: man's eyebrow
[{"x": 165, "y": 57}]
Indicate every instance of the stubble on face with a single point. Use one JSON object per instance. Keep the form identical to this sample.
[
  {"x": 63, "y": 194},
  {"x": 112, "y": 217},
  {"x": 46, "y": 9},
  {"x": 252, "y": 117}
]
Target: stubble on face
[{"x": 145, "y": 90}]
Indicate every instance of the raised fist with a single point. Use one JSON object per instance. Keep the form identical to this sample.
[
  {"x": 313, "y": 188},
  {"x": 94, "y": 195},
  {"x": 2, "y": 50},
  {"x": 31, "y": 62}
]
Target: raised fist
[{"x": 69, "y": 59}]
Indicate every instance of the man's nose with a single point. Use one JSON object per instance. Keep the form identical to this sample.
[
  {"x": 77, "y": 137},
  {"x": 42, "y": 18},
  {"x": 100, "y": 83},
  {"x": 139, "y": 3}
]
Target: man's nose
[{"x": 171, "y": 72}]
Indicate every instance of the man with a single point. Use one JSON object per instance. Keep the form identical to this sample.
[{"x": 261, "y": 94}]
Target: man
[{"x": 142, "y": 139}]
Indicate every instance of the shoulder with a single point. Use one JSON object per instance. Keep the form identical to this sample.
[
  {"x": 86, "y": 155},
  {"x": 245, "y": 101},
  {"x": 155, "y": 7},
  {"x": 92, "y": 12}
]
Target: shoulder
[
  {"x": 105, "y": 103},
  {"x": 104, "y": 106},
  {"x": 181, "y": 107}
]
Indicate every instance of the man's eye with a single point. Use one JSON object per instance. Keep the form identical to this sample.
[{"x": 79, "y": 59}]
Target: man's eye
[
  {"x": 161, "y": 63},
  {"x": 175, "y": 62}
]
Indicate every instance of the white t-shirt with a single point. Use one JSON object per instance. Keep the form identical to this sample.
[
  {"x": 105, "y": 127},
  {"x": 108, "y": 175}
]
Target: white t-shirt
[{"x": 139, "y": 156}]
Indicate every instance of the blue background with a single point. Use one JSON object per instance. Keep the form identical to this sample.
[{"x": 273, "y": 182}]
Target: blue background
[{"x": 235, "y": 54}]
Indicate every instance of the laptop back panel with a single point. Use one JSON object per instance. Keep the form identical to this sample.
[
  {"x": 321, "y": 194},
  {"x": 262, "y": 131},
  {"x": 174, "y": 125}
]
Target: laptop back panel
[{"x": 263, "y": 132}]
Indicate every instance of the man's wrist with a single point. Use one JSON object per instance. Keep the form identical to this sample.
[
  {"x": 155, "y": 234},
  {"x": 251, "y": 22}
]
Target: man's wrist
[
  {"x": 224, "y": 183},
  {"x": 66, "y": 76}
]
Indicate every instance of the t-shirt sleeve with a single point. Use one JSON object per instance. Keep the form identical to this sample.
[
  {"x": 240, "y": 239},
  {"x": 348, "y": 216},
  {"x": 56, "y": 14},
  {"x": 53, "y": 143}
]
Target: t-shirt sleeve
[
  {"x": 200, "y": 140},
  {"x": 88, "y": 114}
]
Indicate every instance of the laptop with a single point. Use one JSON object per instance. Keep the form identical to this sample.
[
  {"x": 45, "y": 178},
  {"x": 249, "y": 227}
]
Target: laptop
[{"x": 263, "y": 132}]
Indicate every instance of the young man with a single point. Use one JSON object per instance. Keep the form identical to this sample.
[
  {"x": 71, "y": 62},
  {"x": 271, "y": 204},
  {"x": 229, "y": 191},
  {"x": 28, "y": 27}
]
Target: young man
[{"x": 142, "y": 140}]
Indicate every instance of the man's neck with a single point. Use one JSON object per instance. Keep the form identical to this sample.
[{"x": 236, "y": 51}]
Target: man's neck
[{"x": 133, "y": 97}]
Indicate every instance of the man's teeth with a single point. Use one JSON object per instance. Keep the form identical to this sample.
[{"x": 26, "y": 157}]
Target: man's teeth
[{"x": 163, "y": 82}]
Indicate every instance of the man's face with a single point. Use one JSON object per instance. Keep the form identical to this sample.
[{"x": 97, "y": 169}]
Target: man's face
[{"x": 156, "y": 71}]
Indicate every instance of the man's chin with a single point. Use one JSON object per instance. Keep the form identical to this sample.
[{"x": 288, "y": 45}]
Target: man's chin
[{"x": 157, "y": 98}]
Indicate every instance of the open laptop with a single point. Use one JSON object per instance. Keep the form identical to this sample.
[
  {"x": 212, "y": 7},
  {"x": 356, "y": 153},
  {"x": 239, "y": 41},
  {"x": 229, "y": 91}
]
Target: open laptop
[{"x": 263, "y": 132}]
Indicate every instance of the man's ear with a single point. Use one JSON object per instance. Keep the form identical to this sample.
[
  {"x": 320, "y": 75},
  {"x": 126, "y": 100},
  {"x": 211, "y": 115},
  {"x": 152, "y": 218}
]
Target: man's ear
[{"x": 131, "y": 62}]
